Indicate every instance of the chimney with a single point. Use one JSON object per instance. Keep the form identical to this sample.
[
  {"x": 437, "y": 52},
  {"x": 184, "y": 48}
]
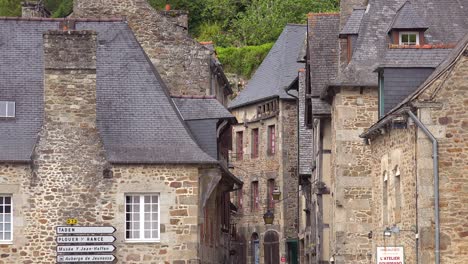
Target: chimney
[
  {"x": 346, "y": 8},
  {"x": 178, "y": 17},
  {"x": 34, "y": 9},
  {"x": 70, "y": 78}
]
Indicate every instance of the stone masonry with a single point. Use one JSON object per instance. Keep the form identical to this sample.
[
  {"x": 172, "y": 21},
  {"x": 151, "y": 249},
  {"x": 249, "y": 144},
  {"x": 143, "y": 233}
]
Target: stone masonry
[
  {"x": 66, "y": 178},
  {"x": 183, "y": 63},
  {"x": 282, "y": 167},
  {"x": 409, "y": 151},
  {"x": 353, "y": 110}
]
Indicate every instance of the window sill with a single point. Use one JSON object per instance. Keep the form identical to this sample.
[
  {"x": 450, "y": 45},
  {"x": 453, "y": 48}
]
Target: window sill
[{"x": 6, "y": 242}]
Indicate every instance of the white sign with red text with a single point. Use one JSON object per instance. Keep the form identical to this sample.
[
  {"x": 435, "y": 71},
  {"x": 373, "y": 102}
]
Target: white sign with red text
[{"x": 390, "y": 255}]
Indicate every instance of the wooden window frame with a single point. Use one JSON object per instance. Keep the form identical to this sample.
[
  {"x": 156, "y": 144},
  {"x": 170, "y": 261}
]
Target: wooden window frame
[
  {"x": 270, "y": 200},
  {"x": 271, "y": 151},
  {"x": 239, "y": 145},
  {"x": 255, "y": 143},
  {"x": 255, "y": 202}
]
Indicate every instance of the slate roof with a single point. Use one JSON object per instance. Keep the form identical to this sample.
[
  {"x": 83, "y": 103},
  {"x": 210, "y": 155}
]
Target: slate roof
[
  {"x": 323, "y": 56},
  {"x": 461, "y": 47},
  {"x": 277, "y": 71},
  {"x": 136, "y": 118},
  {"x": 447, "y": 22},
  {"x": 201, "y": 108},
  {"x": 407, "y": 17},
  {"x": 354, "y": 22},
  {"x": 414, "y": 58}
]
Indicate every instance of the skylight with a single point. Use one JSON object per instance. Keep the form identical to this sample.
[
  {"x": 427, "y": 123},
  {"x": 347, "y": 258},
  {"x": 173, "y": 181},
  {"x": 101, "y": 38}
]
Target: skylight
[{"x": 7, "y": 109}]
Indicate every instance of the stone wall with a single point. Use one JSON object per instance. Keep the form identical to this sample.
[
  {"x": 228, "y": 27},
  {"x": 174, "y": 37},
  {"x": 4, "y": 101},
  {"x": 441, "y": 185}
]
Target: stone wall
[
  {"x": 282, "y": 167},
  {"x": 353, "y": 111},
  {"x": 394, "y": 156},
  {"x": 289, "y": 153},
  {"x": 259, "y": 169},
  {"x": 443, "y": 110},
  {"x": 183, "y": 63},
  {"x": 69, "y": 176}
]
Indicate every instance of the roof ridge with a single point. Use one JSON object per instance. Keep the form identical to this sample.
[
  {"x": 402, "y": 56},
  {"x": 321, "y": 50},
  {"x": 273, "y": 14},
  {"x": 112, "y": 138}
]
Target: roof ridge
[
  {"x": 111, "y": 19},
  {"x": 194, "y": 96},
  {"x": 323, "y": 14},
  {"x": 296, "y": 24}
]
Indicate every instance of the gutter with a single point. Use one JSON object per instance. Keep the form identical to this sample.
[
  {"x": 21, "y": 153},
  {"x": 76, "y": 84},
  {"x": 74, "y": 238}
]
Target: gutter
[{"x": 435, "y": 160}]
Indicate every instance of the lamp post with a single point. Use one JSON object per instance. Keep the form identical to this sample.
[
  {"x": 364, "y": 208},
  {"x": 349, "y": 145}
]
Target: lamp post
[
  {"x": 276, "y": 194},
  {"x": 268, "y": 217}
]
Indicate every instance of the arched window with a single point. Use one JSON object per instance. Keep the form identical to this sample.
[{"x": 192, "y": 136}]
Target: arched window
[
  {"x": 385, "y": 199},
  {"x": 398, "y": 193},
  {"x": 271, "y": 247},
  {"x": 255, "y": 249}
]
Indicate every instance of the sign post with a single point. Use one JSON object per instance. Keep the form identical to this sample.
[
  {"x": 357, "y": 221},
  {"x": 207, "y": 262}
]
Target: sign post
[{"x": 85, "y": 243}]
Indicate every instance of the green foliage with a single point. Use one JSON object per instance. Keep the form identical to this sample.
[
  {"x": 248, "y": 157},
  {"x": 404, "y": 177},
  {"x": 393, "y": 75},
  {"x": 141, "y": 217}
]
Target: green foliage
[
  {"x": 64, "y": 9},
  {"x": 10, "y": 7},
  {"x": 244, "y": 60}
]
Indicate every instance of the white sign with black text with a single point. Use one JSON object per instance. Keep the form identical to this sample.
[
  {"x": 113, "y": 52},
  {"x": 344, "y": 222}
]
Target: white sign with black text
[
  {"x": 86, "y": 249},
  {"x": 84, "y": 258},
  {"x": 85, "y": 239},
  {"x": 85, "y": 230},
  {"x": 390, "y": 255}
]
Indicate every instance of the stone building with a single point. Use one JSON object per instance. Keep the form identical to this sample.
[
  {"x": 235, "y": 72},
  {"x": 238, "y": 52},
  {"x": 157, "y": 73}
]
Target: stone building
[
  {"x": 265, "y": 154},
  {"x": 419, "y": 156},
  {"x": 90, "y": 132},
  {"x": 184, "y": 64},
  {"x": 314, "y": 162},
  {"x": 384, "y": 51}
]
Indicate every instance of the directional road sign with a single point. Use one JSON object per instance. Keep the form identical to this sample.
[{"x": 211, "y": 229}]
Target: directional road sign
[
  {"x": 86, "y": 249},
  {"x": 85, "y": 229},
  {"x": 85, "y": 258},
  {"x": 85, "y": 239}
]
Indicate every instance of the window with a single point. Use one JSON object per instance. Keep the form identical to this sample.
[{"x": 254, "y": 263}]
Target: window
[
  {"x": 381, "y": 94},
  {"x": 240, "y": 199},
  {"x": 6, "y": 218},
  {"x": 270, "y": 200},
  {"x": 255, "y": 143},
  {"x": 385, "y": 199},
  {"x": 7, "y": 109},
  {"x": 397, "y": 195},
  {"x": 255, "y": 201},
  {"x": 271, "y": 140},
  {"x": 409, "y": 38},
  {"x": 239, "y": 145},
  {"x": 142, "y": 217}
]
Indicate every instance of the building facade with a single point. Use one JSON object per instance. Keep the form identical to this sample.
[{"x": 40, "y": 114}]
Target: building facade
[
  {"x": 384, "y": 51},
  {"x": 265, "y": 153},
  {"x": 91, "y": 135}
]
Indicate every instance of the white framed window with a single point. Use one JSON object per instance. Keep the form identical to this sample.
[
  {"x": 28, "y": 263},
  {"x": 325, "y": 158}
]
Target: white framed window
[
  {"x": 409, "y": 38},
  {"x": 142, "y": 217},
  {"x": 7, "y": 109},
  {"x": 6, "y": 218}
]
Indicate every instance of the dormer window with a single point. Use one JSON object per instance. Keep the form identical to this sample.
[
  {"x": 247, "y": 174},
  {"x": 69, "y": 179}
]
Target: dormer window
[
  {"x": 409, "y": 38},
  {"x": 7, "y": 109}
]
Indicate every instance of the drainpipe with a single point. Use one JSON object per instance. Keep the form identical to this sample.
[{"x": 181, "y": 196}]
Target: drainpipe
[{"x": 435, "y": 159}]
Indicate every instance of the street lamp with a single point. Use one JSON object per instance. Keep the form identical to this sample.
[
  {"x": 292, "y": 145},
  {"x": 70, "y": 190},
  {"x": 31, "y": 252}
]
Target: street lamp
[
  {"x": 276, "y": 194},
  {"x": 268, "y": 217}
]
